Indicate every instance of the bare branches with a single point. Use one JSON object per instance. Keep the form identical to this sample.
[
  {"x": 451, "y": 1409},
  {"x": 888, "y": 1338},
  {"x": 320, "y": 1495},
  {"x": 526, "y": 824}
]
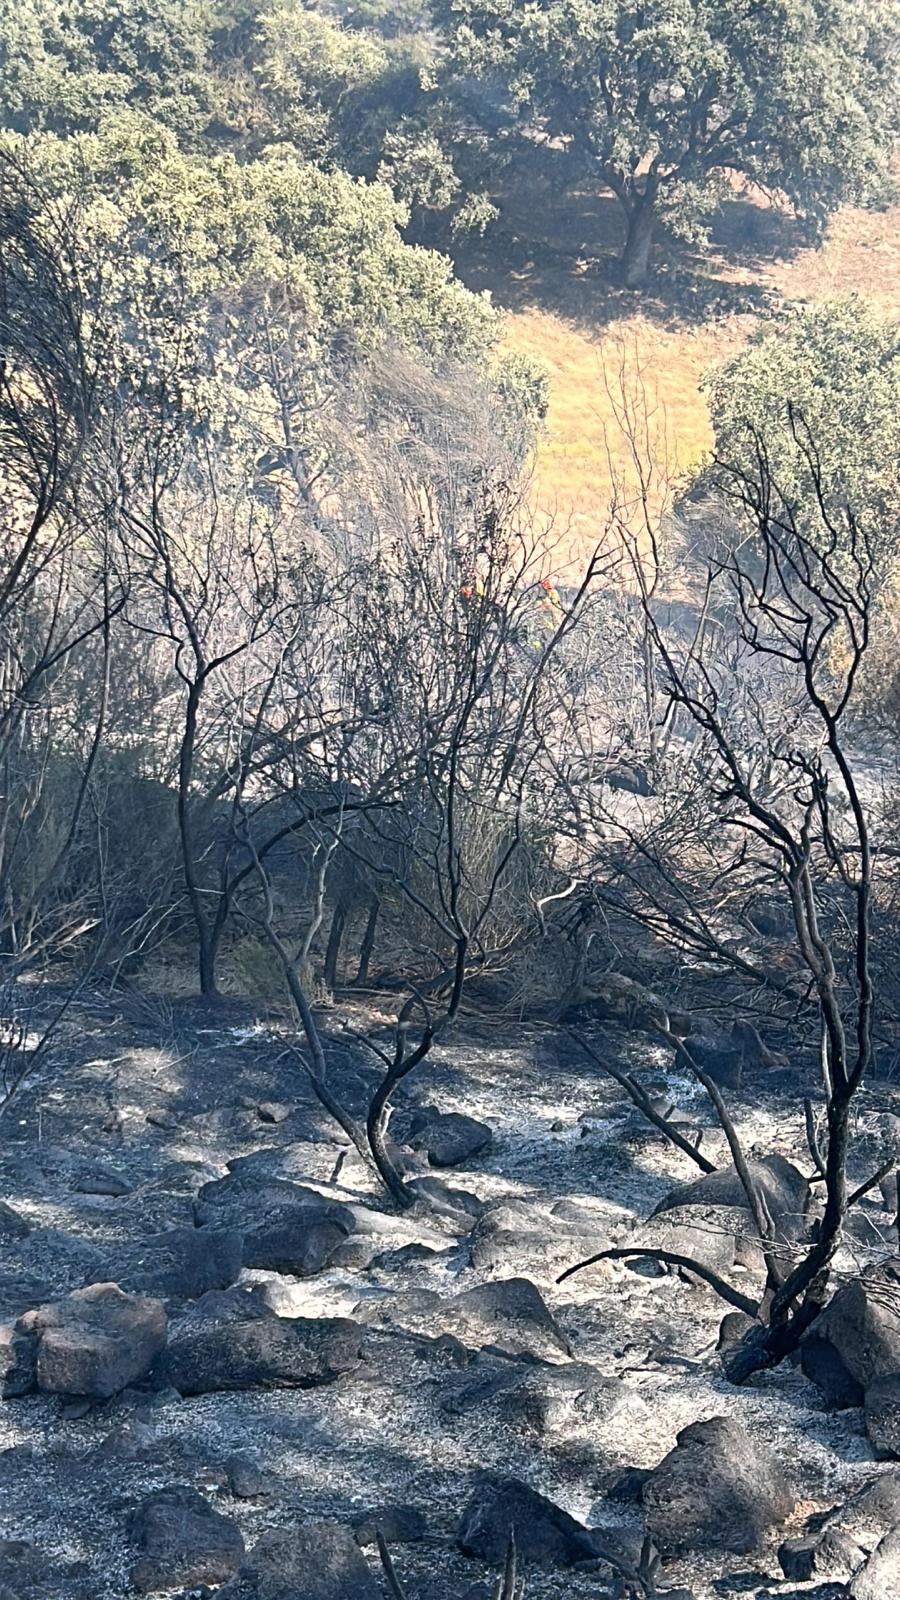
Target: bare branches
[{"x": 644, "y": 1104}]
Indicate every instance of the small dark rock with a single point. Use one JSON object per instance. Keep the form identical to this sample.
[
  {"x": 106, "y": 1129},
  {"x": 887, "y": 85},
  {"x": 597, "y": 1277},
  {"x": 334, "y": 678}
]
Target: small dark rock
[
  {"x": 544, "y": 1533},
  {"x": 396, "y": 1524},
  {"x": 318, "y": 1561},
  {"x": 182, "y": 1540}
]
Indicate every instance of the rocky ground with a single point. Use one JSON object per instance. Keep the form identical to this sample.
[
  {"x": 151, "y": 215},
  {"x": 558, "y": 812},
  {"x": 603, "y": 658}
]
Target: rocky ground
[{"x": 283, "y": 1352}]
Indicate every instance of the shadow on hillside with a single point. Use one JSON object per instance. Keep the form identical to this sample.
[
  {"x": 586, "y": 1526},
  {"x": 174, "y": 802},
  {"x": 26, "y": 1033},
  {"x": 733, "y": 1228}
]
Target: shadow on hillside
[{"x": 559, "y": 252}]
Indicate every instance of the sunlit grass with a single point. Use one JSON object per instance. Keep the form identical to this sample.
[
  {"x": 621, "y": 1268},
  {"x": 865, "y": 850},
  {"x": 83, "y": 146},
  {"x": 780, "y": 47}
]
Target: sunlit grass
[{"x": 583, "y": 450}]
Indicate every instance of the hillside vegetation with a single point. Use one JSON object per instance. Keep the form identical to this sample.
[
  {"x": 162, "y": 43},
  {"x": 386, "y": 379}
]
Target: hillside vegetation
[{"x": 449, "y": 800}]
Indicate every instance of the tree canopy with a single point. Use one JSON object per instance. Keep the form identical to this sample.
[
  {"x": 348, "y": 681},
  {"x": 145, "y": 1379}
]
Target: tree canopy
[
  {"x": 662, "y": 97},
  {"x": 830, "y": 374}
]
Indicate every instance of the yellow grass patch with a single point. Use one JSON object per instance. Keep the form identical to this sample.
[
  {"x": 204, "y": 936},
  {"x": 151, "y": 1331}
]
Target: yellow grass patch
[{"x": 583, "y": 450}]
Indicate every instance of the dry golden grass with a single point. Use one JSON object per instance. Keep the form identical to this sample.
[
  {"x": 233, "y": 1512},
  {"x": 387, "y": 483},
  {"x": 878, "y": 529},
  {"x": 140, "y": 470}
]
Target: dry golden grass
[{"x": 590, "y": 336}]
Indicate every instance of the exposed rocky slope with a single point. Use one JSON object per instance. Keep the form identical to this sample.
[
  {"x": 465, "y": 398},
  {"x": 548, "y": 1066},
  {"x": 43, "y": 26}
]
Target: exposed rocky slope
[{"x": 284, "y": 1365}]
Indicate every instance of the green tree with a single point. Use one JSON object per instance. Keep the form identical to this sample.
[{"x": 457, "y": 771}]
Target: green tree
[
  {"x": 63, "y": 67},
  {"x": 829, "y": 375},
  {"x": 661, "y": 97}
]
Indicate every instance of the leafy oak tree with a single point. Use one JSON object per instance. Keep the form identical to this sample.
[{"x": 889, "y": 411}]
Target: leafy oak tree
[
  {"x": 660, "y": 98},
  {"x": 836, "y": 366}
]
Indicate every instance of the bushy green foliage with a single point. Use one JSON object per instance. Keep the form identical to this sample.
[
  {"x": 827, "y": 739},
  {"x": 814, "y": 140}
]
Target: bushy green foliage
[
  {"x": 838, "y": 367},
  {"x": 200, "y": 254},
  {"x": 63, "y": 67}
]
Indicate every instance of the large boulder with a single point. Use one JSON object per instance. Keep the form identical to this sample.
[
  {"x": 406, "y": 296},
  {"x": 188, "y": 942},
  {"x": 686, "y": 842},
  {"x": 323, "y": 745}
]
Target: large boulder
[
  {"x": 781, "y": 1184},
  {"x": 182, "y": 1541},
  {"x": 230, "y": 1341},
  {"x": 509, "y": 1315},
  {"x": 856, "y": 1339},
  {"x": 717, "y": 1490},
  {"x": 93, "y": 1343},
  {"x": 544, "y": 1533},
  {"x": 317, "y": 1561}
]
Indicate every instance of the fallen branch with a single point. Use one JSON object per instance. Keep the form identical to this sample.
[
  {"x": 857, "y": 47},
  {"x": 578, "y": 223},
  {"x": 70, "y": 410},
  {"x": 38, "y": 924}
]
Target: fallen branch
[
  {"x": 643, "y": 1102},
  {"x": 671, "y": 1258}
]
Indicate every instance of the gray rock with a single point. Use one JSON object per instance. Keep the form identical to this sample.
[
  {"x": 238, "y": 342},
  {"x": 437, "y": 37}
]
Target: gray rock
[
  {"x": 182, "y": 1264},
  {"x": 396, "y": 1524},
  {"x": 879, "y": 1579},
  {"x": 247, "y": 1480},
  {"x": 883, "y": 1416},
  {"x": 95, "y": 1341},
  {"x": 300, "y": 1240},
  {"x": 717, "y": 1490},
  {"x": 229, "y": 1341},
  {"x": 829, "y": 1554},
  {"x": 544, "y": 1533},
  {"x": 856, "y": 1339},
  {"x": 182, "y": 1540},
  {"x": 103, "y": 1181},
  {"x": 785, "y": 1189},
  {"x": 273, "y": 1111},
  {"x": 13, "y": 1227},
  {"x": 449, "y": 1138},
  {"x": 509, "y": 1314},
  {"x": 318, "y": 1561}
]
